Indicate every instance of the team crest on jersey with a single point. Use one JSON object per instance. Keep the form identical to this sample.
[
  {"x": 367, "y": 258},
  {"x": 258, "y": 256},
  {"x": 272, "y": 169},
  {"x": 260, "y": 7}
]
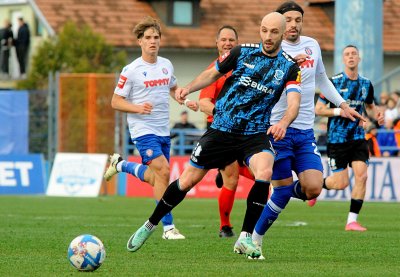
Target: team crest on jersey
[
  {"x": 364, "y": 92},
  {"x": 149, "y": 152},
  {"x": 308, "y": 51},
  {"x": 165, "y": 71},
  {"x": 278, "y": 76},
  {"x": 121, "y": 81},
  {"x": 144, "y": 73},
  {"x": 224, "y": 56}
]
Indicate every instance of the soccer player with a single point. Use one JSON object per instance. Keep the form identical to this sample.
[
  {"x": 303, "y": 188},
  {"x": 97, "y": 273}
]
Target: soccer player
[
  {"x": 298, "y": 150},
  {"x": 239, "y": 132},
  {"x": 347, "y": 145},
  {"x": 143, "y": 92},
  {"x": 227, "y": 38}
]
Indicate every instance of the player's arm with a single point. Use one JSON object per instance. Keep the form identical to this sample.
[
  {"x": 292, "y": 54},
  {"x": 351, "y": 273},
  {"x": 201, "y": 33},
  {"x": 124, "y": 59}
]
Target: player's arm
[
  {"x": 206, "y": 98},
  {"x": 119, "y": 103},
  {"x": 293, "y": 91},
  {"x": 224, "y": 64},
  {"x": 191, "y": 104},
  {"x": 205, "y": 78},
  {"x": 333, "y": 96},
  {"x": 372, "y": 109},
  {"x": 322, "y": 108}
]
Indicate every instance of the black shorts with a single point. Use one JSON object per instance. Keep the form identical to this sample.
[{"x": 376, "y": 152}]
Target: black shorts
[
  {"x": 217, "y": 149},
  {"x": 343, "y": 154}
]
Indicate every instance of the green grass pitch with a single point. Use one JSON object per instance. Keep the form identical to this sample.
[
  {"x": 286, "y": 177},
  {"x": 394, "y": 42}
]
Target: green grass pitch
[{"x": 35, "y": 232}]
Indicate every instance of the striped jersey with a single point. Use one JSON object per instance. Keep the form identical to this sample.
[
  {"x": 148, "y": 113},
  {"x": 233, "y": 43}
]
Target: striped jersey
[
  {"x": 142, "y": 82},
  {"x": 245, "y": 103},
  {"x": 357, "y": 93},
  {"x": 309, "y": 69}
]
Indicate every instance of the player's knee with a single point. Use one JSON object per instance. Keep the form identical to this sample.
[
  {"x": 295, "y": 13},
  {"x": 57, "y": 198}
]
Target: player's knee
[
  {"x": 263, "y": 174},
  {"x": 313, "y": 192},
  {"x": 361, "y": 178}
]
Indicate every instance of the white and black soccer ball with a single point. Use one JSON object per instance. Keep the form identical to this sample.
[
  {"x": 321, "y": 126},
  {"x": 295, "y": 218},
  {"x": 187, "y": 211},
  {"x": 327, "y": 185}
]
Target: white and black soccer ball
[{"x": 86, "y": 253}]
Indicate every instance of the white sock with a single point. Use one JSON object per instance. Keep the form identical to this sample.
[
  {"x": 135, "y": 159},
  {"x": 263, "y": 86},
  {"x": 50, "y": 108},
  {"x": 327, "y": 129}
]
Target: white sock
[
  {"x": 168, "y": 227},
  {"x": 257, "y": 238},
  {"x": 119, "y": 166},
  {"x": 352, "y": 217}
]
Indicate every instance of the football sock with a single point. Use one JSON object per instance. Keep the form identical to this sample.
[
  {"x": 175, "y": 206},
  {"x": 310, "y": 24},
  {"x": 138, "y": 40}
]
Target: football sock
[
  {"x": 324, "y": 185},
  {"x": 297, "y": 193},
  {"x": 135, "y": 169},
  {"x": 150, "y": 226},
  {"x": 171, "y": 198},
  {"x": 277, "y": 202},
  {"x": 225, "y": 200},
  {"x": 256, "y": 201},
  {"x": 167, "y": 220},
  {"x": 355, "y": 207},
  {"x": 257, "y": 238}
]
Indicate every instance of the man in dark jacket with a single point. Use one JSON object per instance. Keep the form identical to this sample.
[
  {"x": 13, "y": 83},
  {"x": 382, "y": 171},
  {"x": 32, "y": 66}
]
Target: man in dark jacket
[
  {"x": 22, "y": 45},
  {"x": 6, "y": 44}
]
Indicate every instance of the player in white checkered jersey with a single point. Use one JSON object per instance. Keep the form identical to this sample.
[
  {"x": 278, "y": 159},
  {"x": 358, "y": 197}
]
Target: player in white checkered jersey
[{"x": 143, "y": 92}]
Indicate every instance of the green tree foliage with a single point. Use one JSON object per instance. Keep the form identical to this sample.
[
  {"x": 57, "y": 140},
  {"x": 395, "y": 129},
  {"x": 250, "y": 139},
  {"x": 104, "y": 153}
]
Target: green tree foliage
[{"x": 74, "y": 50}]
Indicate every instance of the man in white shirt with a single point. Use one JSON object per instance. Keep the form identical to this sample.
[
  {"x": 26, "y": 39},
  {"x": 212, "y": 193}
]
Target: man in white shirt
[{"x": 143, "y": 92}]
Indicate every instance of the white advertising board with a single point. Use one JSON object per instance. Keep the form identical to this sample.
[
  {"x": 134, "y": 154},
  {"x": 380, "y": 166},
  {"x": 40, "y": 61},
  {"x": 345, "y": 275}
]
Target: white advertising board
[
  {"x": 76, "y": 174},
  {"x": 383, "y": 183}
]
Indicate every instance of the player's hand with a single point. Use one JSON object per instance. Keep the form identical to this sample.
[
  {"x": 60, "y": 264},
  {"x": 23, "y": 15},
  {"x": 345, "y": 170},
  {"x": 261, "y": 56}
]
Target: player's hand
[
  {"x": 380, "y": 117},
  {"x": 301, "y": 58},
  {"x": 180, "y": 94},
  {"x": 193, "y": 105},
  {"x": 350, "y": 113},
  {"x": 145, "y": 108},
  {"x": 278, "y": 131}
]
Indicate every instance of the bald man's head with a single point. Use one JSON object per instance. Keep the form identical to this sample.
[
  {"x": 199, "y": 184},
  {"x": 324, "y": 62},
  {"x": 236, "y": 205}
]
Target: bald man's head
[{"x": 272, "y": 28}]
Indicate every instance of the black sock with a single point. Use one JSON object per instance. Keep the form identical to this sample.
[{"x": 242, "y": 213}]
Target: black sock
[
  {"x": 324, "y": 185},
  {"x": 356, "y": 205},
  {"x": 297, "y": 192},
  {"x": 171, "y": 198},
  {"x": 256, "y": 200}
]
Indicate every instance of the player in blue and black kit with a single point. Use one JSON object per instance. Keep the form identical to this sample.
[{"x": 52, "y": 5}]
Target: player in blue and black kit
[
  {"x": 346, "y": 139},
  {"x": 239, "y": 132}
]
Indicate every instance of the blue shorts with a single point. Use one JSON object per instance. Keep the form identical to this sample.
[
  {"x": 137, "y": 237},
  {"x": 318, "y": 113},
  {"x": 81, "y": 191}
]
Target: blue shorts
[
  {"x": 152, "y": 146},
  {"x": 298, "y": 152}
]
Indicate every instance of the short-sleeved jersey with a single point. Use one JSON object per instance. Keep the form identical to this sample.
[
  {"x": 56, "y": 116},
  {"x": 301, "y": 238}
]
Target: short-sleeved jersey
[
  {"x": 309, "y": 69},
  {"x": 244, "y": 105},
  {"x": 142, "y": 82},
  {"x": 357, "y": 93},
  {"x": 213, "y": 90}
]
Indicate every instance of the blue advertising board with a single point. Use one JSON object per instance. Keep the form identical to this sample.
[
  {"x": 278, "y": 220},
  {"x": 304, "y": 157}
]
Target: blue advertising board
[
  {"x": 14, "y": 114},
  {"x": 22, "y": 174}
]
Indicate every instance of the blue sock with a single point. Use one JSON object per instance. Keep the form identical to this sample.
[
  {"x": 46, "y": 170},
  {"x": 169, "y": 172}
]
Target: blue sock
[
  {"x": 297, "y": 193},
  {"x": 135, "y": 169},
  {"x": 277, "y": 202},
  {"x": 167, "y": 219}
]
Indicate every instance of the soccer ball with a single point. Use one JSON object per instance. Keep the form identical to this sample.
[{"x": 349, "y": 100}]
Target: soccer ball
[{"x": 86, "y": 253}]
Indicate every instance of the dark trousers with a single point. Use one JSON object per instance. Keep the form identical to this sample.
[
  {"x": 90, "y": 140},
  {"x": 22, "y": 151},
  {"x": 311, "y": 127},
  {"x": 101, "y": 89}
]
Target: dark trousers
[
  {"x": 5, "y": 57},
  {"x": 22, "y": 53}
]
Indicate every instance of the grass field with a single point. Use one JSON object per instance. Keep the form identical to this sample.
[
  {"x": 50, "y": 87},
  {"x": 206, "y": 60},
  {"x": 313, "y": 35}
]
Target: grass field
[{"x": 35, "y": 233}]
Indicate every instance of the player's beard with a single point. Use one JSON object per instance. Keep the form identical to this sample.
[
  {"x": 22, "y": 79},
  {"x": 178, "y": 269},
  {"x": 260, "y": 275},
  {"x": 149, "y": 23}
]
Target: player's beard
[{"x": 274, "y": 49}]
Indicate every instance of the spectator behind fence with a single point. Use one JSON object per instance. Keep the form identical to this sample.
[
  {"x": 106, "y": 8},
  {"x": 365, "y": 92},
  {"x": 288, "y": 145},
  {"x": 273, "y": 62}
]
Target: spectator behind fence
[
  {"x": 6, "y": 44},
  {"x": 386, "y": 138},
  {"x": 22, "y": 43},
  {"x": 391, "y": 112},
  {"x": 373, "y": 145},
  {"x": 185, "y": 124}
]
